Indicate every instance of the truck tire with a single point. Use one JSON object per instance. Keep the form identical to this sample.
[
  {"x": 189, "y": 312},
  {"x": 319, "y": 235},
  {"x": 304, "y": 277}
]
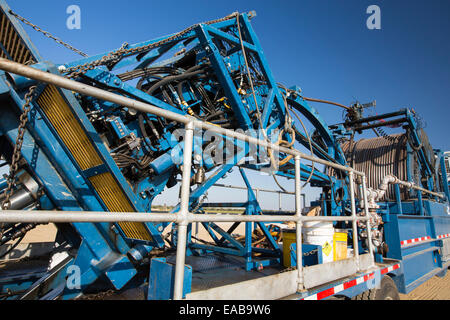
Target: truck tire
[{"x": 387, "y": 291}]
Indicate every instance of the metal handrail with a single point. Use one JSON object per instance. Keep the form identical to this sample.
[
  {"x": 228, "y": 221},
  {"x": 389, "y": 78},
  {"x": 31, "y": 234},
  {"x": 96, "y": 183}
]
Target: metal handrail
[{"x": 183, "y": 217}]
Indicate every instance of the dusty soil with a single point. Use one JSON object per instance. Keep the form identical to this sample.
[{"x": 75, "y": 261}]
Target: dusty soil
[{"x": 434, "y": 289}]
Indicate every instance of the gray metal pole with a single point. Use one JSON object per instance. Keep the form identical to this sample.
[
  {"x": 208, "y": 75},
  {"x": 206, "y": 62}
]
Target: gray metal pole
[
  {"x": 279, "y": 201},
  {"x": 183, "y": 213},
  {"x": 354, "y": 224},
  {"x": 366, "y": 210},
  {"x": 298, "y": 213},
  {"x": 45, "y": 216},
  {"x": 26, "y": 71}
]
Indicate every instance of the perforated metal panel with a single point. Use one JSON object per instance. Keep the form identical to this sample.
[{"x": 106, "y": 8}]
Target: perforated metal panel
[
  {"x": 83, "y": 151},
  {"x": 12, "y": 45}
]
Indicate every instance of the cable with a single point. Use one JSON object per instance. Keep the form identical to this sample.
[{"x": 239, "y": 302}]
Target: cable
[
  {"x": 310, "y": 146},
  {"x": 173, "y": 78},
  {"x": 327, "y": 102},
  {"x": 13, "y": 246},
  {"x": 269, "y": 151}
]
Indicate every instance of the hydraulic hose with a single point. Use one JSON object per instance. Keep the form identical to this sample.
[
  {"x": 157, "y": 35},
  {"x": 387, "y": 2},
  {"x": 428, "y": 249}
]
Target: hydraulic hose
[
  {"x": 327, "y": 102},
  {"x": 188, "y": 74}
]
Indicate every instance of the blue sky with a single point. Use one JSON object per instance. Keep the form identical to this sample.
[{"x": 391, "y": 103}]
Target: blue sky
[{"x": 322, "y": 46}]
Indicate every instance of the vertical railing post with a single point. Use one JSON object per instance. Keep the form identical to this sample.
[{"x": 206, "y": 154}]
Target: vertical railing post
[
  {"x": 354, "y": 221},
  {"x": 420, "y": 202},
  {"x": 366, "y": 210},
  {"x": 298, "y": 215},
  {"x": 398, "y": 199},
  {"x": 279, "y": 201},
  {"x": 183, "y": 212}
]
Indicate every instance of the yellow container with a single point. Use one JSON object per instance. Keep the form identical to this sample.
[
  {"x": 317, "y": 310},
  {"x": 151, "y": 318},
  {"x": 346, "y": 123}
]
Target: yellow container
[
  {"x": 289, "y": 237},
  {"x": 340, "y": 245}
]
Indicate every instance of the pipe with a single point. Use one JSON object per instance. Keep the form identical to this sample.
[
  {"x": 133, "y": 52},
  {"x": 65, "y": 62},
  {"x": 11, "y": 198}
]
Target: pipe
[
  {"x": 327, "y": 102},
  {"x": 367, "y": 214},
  {"x": 381, "y": 124},
  {"x": 375, "y": 195},
  {"x": 183, "y": 213},
  {"x": 13, "y": 67},
  {"x": 21, "y": 199},
  {"x": 47, "y": 216},
  {"x": 298, "y": 214},
  {"x": 172, "y": 78},
  {"x": 354, "y": 223}
]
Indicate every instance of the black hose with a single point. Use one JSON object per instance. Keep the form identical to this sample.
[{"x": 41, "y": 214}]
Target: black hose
[
  {"x": 180, "y": 91},
  {"x": 143, "y": 131},
  {"x": 147, "y": 72},
  {"x": 13, "y": 246},
  {"x": 169, "y": 79},
  {"x": 219, "y": 113}
]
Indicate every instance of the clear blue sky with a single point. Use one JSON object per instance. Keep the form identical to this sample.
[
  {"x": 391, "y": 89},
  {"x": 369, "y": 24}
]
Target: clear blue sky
[{"x": 322, "y": 46}]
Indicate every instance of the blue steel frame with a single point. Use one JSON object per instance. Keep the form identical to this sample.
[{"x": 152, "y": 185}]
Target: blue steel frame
[{"x": 103, "y": 247}]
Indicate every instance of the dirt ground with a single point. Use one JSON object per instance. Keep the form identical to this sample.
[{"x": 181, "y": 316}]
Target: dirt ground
[{"x": 434, "y": 289}]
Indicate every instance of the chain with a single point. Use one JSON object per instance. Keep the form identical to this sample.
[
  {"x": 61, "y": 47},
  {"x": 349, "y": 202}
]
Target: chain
[
  {"x": 97, "y": 296},
  {"x": 200, "y": 203},
  {"x": 47, "y": 34},
  {"x": 17, "y": 149},
  {"x": 114, "y": 56},
  {"x": 310, "y": 253},
  {"x": 306, "y": 254}
]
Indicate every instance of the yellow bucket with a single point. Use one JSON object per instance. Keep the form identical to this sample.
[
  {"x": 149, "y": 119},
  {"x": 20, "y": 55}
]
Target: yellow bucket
[
  {"x": 289, "y": 237},
  {"x": 340, "y": 245}
]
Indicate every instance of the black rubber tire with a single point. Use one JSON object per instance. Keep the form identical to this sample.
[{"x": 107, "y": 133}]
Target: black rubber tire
[
  {"x": 388, "y": 290},
  {"x": 366, "y": 295}
]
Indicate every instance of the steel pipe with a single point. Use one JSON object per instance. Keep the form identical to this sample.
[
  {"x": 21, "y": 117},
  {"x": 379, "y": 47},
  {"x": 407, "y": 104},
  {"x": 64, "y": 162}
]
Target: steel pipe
[
  {"x": 366, "y": 210},
  {"x": 45, "y": 216},
  {"x": 183, "y": 212},
  {"x": 38, "y": 75},
  {"x": 298, "y": 215},
  {"x": 354, "y": 224}
]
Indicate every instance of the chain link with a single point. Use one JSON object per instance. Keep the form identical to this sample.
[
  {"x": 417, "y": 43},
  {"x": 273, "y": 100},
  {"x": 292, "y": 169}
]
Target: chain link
[
  {"x": 17, "y": 149},
  {"x": 200, "y": 203},
  {"x": 306, "y": 254},
  {"x": 75, "y": 72},
  {"x": 97, "y": 296},
  {"x": 47, "y": 34},
  {"x": 310, "y": 253},
  {"x": 115, "y": 56}
]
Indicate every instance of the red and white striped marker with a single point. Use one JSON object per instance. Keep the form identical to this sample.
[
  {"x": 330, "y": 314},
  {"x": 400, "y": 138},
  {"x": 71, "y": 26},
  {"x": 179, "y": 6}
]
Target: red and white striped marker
[
  {"x": 406, "y": 242},
  {"x": 346, "y": 285}
]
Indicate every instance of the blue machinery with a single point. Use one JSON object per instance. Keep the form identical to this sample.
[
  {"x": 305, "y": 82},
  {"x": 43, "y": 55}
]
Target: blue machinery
[{"x": 198, "y": 104}]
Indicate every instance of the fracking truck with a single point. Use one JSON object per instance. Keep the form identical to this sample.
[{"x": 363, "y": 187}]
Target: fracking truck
[{"x": 89, "y": 144}]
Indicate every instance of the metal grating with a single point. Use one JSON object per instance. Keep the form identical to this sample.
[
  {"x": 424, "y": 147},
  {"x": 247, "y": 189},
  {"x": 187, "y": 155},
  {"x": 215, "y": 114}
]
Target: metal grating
[
  {"x": 12, "y": 46},
  {"x": 82, "y": 150}
]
